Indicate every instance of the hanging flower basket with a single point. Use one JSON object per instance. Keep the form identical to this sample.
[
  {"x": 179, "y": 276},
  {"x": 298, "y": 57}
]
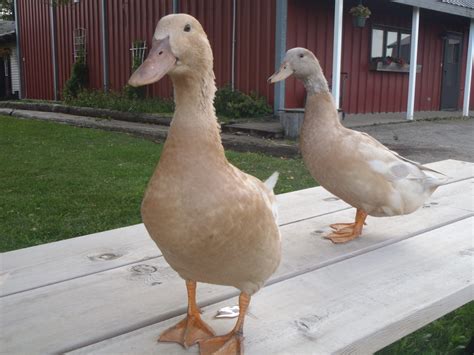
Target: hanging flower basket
[{"x": 360, "y": 14}]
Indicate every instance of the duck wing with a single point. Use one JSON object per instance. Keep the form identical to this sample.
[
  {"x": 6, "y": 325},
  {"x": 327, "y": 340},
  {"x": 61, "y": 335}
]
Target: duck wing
[{"x": 393, "y": 166}]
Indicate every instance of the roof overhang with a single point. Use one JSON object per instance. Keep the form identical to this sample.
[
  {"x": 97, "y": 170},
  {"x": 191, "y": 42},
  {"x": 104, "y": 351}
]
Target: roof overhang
[{"x": 439, "y": 6}]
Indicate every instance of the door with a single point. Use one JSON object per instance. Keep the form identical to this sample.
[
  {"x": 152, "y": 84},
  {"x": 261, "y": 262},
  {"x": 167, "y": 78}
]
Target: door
[{"x": 451, "y": 72}]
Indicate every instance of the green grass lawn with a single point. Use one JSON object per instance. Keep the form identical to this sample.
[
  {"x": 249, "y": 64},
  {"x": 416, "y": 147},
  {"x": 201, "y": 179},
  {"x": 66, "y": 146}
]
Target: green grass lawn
[{"x": 59, "y": 182}]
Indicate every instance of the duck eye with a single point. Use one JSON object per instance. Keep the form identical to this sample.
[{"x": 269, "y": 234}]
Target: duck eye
[
  {"x": 187, "y": 28},
  {"x": 301, "y": 55}
]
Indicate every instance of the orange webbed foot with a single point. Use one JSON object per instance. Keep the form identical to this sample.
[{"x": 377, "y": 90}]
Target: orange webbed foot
[
  {"x": 339, "y": 226},
  {"x": 188, "y": 332},
  {"x": 344, "y": 235},
  {"x": 192, "y": 328},
  {"x": 345, "y": 232},
  {"x": 229, "y": 344}
]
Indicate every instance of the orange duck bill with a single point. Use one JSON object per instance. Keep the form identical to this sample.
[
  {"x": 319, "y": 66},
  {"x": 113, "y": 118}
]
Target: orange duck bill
[{"x": 159, "y": 62}]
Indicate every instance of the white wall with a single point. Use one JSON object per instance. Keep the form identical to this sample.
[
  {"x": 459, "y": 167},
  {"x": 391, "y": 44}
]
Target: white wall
[
  {"x": 15, "y": 74},
  {"x": 15, "y": 77}
]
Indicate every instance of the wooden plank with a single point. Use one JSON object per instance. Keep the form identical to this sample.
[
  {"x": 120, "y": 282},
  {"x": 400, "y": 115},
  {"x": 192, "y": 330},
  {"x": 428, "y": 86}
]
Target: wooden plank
[
  {"x": 45, "y": 264},
  {"x": 96, "y": 307},
  {"x": 356, "y": 306},
  {"x": 29, "y": 268}
]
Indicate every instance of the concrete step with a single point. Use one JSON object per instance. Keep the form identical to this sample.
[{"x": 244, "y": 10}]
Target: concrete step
[{"x": 265, "y": 129}]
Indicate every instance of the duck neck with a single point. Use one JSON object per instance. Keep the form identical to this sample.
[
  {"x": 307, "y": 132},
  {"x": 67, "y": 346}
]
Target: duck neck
[
  {"x": 194, "y": 127},
  {"x": 315, "y": 83},
  {"x": 321, "y": 113}
]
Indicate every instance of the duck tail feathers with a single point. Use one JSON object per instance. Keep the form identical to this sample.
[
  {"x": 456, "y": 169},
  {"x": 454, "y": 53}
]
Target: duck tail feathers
[
  {"x": 432, "y": 183},
  {"x": 272, "y": 180}
]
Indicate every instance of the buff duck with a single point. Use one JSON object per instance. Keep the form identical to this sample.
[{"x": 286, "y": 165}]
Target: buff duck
[
  {"x": 352, "y": 165},
  {"x": 212, "y": 222}
]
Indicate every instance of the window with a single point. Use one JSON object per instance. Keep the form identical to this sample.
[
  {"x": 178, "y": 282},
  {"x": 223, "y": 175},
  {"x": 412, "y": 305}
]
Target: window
[
  {"x": 80, "y": 45},
  {"x": 138, "y": 53},
  {"x": 390, "y": 42}
]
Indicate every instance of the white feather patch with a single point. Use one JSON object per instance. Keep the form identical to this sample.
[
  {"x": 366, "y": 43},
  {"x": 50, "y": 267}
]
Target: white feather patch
[{"x": 272, "y": 180}]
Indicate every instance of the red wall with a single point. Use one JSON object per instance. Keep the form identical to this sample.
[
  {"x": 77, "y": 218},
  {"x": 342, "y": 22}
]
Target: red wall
[
  {"x": 35, "y": 39},
  {"x": 255, "y": 40},
  {"x": 255, "y": 49},
  {"x": 310, "y": 24},
  {"x": 130, "y": 20},
  {"x": 85, "y": 14},
  {"x": 216, "y": 18}
]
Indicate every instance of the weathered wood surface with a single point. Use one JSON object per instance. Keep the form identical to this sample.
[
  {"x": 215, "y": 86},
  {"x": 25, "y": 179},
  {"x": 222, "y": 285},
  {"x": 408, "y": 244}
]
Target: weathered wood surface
[
  {"x": 356, "y": 306},
  {"x": 29, "y": 268},
  {"x": 98, "y": 306}
]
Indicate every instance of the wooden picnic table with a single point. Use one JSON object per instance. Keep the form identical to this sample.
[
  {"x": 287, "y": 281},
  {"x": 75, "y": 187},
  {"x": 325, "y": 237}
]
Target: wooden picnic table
[{"x": 113, "y": 293}]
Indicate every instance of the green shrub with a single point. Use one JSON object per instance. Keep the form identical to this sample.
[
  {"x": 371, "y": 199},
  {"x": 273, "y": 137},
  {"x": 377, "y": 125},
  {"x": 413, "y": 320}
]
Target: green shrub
[
  {"x": 236, "y": 104},
  {"x": 228, "y": 103},
  {"x": 120, "y": 101},
  {"x": 78, "y": 80}
]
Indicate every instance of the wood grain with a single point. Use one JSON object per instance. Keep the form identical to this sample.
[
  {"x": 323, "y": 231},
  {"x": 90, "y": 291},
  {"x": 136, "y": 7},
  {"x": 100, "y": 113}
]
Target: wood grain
[
  {"x": 356, "y": 306},
  {"x": 98, "y": 306}
]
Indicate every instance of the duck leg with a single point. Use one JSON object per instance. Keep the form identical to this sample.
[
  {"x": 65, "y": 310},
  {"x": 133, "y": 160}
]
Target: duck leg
[
  {"x": 344, "y": 232},
  {"x": 231, "y": 343},
  {"x": 192, "y": 328}
]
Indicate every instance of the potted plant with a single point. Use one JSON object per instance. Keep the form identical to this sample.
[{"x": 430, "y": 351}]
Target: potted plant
[{"x": 359, "y": 13}]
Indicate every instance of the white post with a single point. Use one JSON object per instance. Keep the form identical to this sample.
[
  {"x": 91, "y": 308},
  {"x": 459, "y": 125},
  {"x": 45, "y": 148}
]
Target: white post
[
  {"x": 415, "y": 22},
  {"x": 18, "y": 50},
  {"x": 52, "y": 19},
  {"x": 469, "y": 63},
  {"x": 336, "y": 53},
  {"x": 280, "y": 49},
  {"x": 105, "y": 46},
  {"x": 234, "y": 40}
]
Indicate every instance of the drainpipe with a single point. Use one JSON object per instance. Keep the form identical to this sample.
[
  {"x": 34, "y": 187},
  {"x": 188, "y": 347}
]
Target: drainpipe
[
  {"x": 52, "y": 15},
  {"x": 105, "y": 47},
  {"x": 232, "y": 65},
  {"x": 18, "y": 49},
  {"x": 415, "y": 24},
  {"x": 469, "y": 64},
  {"x": 336, "y": 54},
  {"x": 175, "y": 6},
  {"x": 280, "y": 49}
]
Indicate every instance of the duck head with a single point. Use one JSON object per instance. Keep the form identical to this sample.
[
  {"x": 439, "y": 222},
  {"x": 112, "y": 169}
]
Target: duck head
[
  {"x": 304, "y": 65},
  {"x": 179, "y": 47}
]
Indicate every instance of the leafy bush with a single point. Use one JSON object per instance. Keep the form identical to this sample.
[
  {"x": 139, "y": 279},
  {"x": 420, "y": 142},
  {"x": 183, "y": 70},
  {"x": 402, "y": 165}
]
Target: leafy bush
[
  {"x": 236, "y": 104},
  {"x": 78, "y": 80},
  {"x": 228, "y": 103},
  {"x": 120, "y": 101}
]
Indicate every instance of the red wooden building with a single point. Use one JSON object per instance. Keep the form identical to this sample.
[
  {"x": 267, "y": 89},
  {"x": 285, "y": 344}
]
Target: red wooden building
[{"x": 249, "y": 38}]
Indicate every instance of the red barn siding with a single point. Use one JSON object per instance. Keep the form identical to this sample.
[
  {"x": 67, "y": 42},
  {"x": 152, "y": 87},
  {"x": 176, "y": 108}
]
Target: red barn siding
[
  {"x": 130, "y": 20},
  {"x": 310, "y": 24},
  {"x": 35, "y": 39},
  {"x": 255, "y": 47},
  {"x": 255, "y": 40},
  {"x": 216, "y": 18},
  {"x": 85, "y": 14}
]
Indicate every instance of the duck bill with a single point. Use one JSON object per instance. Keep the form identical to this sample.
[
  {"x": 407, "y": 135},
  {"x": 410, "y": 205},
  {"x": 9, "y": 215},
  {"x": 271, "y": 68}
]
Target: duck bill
[
  {"x": 160, "y": 61},
  {"x": 284, "y": 72}
]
